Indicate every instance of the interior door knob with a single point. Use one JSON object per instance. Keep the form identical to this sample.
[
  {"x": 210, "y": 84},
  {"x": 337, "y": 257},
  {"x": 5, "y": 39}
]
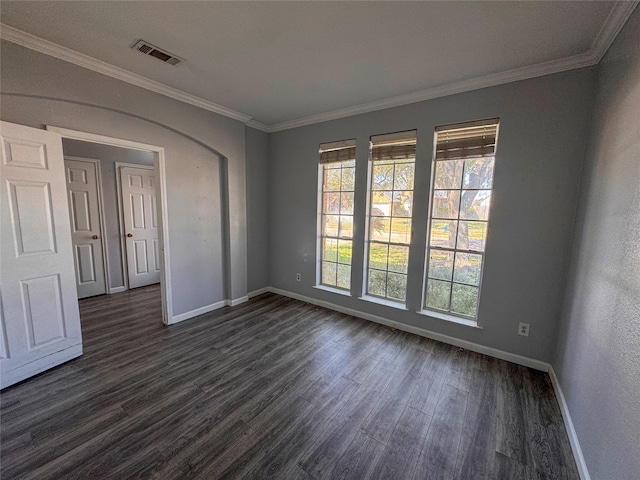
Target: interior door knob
[
  {"x": 129, "y": 235},
  {"x": 95, "y": 237}
]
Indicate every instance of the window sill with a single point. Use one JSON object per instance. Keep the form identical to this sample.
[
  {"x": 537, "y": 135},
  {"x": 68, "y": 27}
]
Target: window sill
[
  {"x": 382, "y": 301},
  {"x": 450, "y": 318},
  {"x": 339, "y": 291}
]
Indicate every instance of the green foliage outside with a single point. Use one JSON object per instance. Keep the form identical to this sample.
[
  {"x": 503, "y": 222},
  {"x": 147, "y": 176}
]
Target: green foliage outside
[
  {"x": 388, "y": 264},
  {"x": 457, "y": 229},
  {"x": 341, "y": 254},
  {"x": 464, "y": 298},
  {"x": 395, "y": 259},
  {"x": 395, "y": 284}
]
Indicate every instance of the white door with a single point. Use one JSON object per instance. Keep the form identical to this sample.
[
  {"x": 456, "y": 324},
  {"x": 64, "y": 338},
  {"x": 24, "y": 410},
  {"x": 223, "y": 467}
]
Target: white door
[
  {"x": 40, "y": 319},
  {"x": 86, "y": 232},
  {"x": 140, "y": 221}
]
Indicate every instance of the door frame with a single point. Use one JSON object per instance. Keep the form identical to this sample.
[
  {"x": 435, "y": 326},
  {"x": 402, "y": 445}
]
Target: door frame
[
  {"x": 103, "y": 230},
  {"x": 163, "y": 231},
  {"x": 123, "y": 243}
]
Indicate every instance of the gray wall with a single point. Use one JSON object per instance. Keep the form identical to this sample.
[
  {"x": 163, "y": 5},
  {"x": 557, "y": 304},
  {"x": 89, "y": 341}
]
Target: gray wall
[
  {"x": 543, "y": 125},
  {"x": 39, "y": 90},
  {"x": 598, "y": 355},
  {"x": 257, "y": 145},
  {"x": 108, "y": 157}
]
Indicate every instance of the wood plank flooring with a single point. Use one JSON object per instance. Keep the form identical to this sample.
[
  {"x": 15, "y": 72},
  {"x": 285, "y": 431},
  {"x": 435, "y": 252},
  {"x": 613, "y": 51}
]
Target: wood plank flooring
[{"x": 276, "y": 388}]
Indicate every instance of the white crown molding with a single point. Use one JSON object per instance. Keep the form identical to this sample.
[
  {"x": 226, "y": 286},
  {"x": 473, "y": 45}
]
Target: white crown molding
[
  {"x": 616, "y": 19},
  {"x": 620, "y": 13},
  {"x": 259, "y": 126},
  {"x": 618, "y": 16},
  {"x": 41, "y": 45},
  {"x": 524, "y": 73}
]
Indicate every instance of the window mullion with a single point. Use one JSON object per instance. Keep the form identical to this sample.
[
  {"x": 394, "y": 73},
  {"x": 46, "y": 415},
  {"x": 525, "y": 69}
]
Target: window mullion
[
  {"x": 455, "y": 248},
  {"x": 388, "y": 153},
  {"x": 456, "y": 162},
  {"x": 334, "y": 159}
]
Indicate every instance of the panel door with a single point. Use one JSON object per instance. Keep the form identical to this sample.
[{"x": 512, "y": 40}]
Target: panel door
[
  {"x": 40, "y": 318},
  {"x": 86, "y": 232},
  {"x": 140, "y": 225}
]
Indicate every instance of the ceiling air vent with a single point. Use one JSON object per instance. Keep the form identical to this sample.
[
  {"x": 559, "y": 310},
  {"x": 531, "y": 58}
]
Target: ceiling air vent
[{"x": 148, "y": 49}]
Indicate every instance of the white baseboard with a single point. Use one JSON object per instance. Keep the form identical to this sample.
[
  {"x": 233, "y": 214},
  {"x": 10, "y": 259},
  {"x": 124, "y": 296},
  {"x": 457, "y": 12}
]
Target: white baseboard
[
  {"x": 198, "y": 311},
  {"x": 474, "y": 347},
  {"x": 117, "y": 289},
  {"x": 260, "y": 291},
  {"x": 237, "y": 301},
  {"x": 568, "y": 423},
  {"x": 38, "y": 366},
  {"x": 207, "y": 308}
]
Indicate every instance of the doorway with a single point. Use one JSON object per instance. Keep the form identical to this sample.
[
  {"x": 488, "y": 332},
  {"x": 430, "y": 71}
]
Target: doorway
[
  {"x": 152, "y": 157},
  {"x": 114, "y": 187}
]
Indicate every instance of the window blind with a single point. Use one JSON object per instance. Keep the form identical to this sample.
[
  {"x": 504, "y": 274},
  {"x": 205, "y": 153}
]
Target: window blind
[
  {"x": 466, "y": 140},
  {"x": 396, "y": 146},
  {"x": 342, "y": 151}
]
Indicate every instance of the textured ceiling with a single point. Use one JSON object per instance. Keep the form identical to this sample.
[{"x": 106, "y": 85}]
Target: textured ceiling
[{"x": 279, "y": 62}]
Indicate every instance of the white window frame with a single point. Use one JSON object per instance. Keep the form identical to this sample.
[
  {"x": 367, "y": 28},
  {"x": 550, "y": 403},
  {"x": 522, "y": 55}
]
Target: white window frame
[
  {"x": 399, "y": 137},
  {"x": 327, "y": 149},
  {"x": 448, "y": 314}
]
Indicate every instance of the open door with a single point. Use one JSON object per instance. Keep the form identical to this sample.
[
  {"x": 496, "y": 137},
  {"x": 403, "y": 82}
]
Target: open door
[{"x": 40, "y": 322}]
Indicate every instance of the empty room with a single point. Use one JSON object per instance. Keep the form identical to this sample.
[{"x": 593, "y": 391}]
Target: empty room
[{"x": 319, "y": 240}]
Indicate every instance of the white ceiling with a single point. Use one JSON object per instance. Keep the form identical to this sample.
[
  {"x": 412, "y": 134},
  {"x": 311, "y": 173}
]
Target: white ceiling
[{"x": 281, "y": 64}]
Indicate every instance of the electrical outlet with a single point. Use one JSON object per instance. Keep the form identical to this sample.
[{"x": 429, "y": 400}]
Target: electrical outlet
[
  {"x": 523, "y": 329},
  {"x": 298, "y": 276}
]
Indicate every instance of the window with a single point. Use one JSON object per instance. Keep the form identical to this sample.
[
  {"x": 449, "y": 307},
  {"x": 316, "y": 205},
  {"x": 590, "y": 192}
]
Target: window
[
  {"x": 463, "y": 167},
  {"x": 337, "y": 177},
  {"x": 392, "y": 163}
]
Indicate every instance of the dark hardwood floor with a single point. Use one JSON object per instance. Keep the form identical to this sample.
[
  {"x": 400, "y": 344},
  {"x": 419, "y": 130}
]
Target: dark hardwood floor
[{"x": 276, "y": 388}]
